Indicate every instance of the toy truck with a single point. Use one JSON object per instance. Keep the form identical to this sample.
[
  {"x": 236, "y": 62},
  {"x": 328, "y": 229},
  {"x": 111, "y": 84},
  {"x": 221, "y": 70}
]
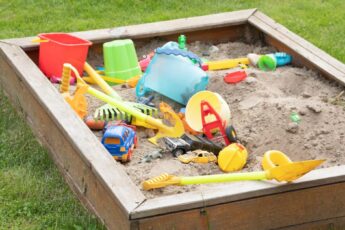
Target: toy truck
[
  {"x": 120, "y": 140},
  {"x": 188, "y": 142}
]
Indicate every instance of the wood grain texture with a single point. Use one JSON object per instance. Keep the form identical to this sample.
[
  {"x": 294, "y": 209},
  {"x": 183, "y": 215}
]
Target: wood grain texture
[
  {"x": 264, "y": 212},
  {"x": 153, "y": 29},
  {"x": 304, "y": 53},
  {"x": 88, "y": 168},
  {"x": 337, "y": 223}
]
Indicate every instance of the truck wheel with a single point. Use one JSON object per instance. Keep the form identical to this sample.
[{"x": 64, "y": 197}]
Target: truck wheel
[
  {"x": 129, "y": 156},
  {"x": 135, "y": 141},
  {"x": 231, "y": 134},
  {"x": 125, "y": 159},
  {"x": 178, "y": 152}
]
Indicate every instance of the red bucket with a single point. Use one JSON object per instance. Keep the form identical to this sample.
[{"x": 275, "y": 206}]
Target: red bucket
[{"x": 59, "y": 48}]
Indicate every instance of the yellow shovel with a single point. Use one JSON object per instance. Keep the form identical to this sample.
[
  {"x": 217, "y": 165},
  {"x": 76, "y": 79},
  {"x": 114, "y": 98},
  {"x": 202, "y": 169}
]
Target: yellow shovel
[{"x": 276, "y": 164}]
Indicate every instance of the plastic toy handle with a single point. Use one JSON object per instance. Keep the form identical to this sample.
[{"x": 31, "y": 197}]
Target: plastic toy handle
[
  {"x": 274, "y": 158},
  {"x": 65, "y": 79},
  {"x": 117, "y": 103},
  {"x": 221, "y": 178},
  {"x": 140, "y": 89},
  {"x": 38, "y": 40},
  {"x": 227, "y": 63},
  {"x": 99, "y": 80}
]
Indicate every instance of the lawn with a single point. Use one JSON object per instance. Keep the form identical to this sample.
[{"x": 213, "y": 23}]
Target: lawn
[{"x": 32, "y": 193}]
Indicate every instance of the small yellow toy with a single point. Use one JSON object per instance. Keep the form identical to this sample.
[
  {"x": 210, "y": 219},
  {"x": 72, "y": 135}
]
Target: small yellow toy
[
  {"x": 197, "y": 156},
  {"x": 227, "y": 64},
  {"x": 232, "y": 158}
]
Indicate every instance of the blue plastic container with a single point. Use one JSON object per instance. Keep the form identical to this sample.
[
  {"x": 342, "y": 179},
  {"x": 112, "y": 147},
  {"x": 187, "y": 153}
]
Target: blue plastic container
[{"x": 173, "y": 74}]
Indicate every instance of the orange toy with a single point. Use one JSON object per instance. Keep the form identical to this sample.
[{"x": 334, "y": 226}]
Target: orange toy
[{"x": 78, "y": 101}]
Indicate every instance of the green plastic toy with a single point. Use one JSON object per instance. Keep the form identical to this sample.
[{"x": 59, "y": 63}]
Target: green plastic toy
[
  {"x": 182, "y": 40},
  {"x": 120, "y": 59},
  {"x": 295, "y": 117},
  {"x": 267, "y": 62}
]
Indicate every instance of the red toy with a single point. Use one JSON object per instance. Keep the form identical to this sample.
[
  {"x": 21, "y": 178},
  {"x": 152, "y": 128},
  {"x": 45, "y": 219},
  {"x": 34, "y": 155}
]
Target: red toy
[
  {"x": 235, "y": 77},
  {"x": 208, "y": 127},
  {"x": 59, "y": 48},
  {"x": 144, "y": 63},
  {"x": 95, "y": 124}
]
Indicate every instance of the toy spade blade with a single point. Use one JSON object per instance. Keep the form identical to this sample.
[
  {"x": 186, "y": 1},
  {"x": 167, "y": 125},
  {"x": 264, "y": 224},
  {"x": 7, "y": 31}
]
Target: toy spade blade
[
  {"x": 175, "y": 130},
  {"x": 292, "y": 171}
]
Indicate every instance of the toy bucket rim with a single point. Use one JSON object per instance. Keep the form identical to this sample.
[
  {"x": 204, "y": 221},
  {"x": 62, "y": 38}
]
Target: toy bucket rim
[{"x": 85, "y": 42}]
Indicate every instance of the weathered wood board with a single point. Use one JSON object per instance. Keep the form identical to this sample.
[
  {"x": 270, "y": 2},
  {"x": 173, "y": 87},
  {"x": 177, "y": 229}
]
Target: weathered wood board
[{"x": 314, "y": 202}]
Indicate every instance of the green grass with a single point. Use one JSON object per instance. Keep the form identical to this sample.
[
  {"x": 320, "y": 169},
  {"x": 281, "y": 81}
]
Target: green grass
[{"x": 32, "y": 193}]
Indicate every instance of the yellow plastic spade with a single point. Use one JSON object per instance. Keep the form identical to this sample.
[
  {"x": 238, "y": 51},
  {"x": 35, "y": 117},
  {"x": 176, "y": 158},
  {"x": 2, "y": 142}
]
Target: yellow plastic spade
[
  {"x": 277, "y": 166},
  {"x": 281, "y": 168}
]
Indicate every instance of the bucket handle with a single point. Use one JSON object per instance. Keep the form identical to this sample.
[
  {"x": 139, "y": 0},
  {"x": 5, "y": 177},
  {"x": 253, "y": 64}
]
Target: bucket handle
[
  {"x": 38, "y": 40},
  {"x": 140, "y": 89}
]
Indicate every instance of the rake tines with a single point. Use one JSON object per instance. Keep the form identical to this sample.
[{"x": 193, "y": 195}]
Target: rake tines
[{"x": 109, "y": 113}]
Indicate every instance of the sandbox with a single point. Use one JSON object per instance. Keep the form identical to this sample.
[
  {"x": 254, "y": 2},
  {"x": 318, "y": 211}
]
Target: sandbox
[{"x": 260, "y": 106}]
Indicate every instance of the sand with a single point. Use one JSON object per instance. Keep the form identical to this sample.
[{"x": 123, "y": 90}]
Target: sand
[{"x": 261, "y": 107}]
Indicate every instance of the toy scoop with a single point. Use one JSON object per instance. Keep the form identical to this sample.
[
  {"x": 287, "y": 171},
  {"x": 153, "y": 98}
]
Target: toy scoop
[{"x": 276, "y": 164}]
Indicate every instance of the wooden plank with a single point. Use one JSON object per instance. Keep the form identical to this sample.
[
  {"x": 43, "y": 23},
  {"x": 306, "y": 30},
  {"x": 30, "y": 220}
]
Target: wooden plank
[
  {"x": 104, "y": 188},
  {"x": 153, "y": 29},
  {"x": 96, "y": 178},
  {"x": 216, "y": 35},
  {"x": 266, "y": 212},
  {"x": 332, "y": 68},
  {"x": 235, "y": 191},
  {"x": 328, "y": 224}
]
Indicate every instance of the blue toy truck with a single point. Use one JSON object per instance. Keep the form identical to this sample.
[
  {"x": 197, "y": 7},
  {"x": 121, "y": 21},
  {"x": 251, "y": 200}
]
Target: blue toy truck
[{"x": 120, "y": 140}]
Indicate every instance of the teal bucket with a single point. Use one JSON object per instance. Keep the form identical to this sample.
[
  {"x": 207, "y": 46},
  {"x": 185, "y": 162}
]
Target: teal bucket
[{"x": 172, "y": 73}]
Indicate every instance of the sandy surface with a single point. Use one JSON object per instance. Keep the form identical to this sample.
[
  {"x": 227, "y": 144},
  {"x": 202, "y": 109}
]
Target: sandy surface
[{"x": 261, "y": 107}]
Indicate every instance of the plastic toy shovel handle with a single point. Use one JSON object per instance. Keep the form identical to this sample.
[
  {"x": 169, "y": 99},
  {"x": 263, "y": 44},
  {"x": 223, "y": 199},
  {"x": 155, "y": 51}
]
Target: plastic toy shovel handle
[
  {"x": 220, "y": 178},
  {"x": 38, "y": 40},
  {"x": 117, "y": 103},
  {"x": 99, "y": 80}
]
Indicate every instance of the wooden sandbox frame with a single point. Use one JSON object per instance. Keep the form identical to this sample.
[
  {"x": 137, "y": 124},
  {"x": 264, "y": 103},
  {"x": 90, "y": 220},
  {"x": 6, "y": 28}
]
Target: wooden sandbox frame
[{"x": 316, "y": 200}]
